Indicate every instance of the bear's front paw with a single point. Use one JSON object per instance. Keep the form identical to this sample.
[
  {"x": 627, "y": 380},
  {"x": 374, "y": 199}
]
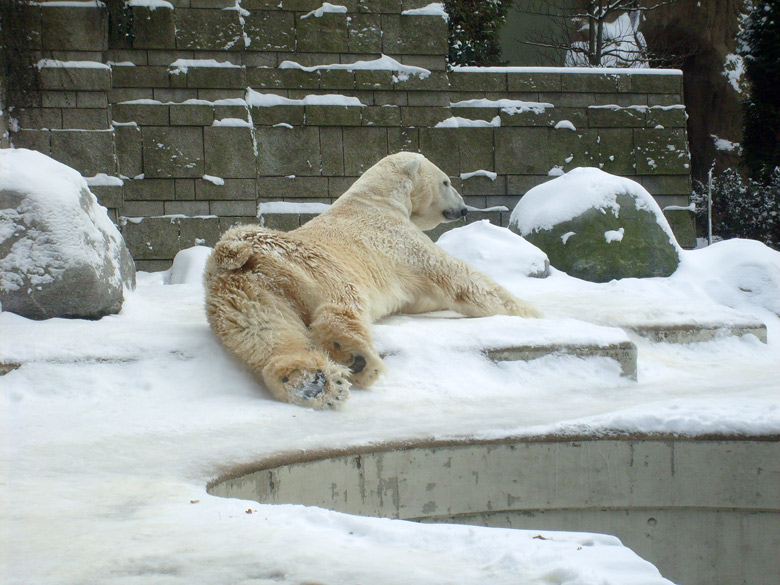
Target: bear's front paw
[
  {"x": 319, "y": 389},
  {"x": 366, "y": 370}
]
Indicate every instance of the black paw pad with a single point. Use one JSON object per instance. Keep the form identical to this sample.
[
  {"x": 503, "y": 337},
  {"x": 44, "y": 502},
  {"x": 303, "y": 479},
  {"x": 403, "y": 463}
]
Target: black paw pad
[{"x": 358, "y": 364}]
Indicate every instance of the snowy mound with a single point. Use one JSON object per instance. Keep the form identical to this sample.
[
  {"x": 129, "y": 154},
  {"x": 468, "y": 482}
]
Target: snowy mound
[
  {"x": 598, "y": 227},
  {"x": 495, "y": 250},
  {"x": 737, "y": 273},
  {"x": 60, "y": 254},
  {"x": 188, "y": 266}
]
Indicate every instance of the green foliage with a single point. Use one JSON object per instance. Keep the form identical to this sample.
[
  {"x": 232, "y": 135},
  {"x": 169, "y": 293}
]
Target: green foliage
[
  {"x": 761, "y": 50},
  {"x": 742, "y": 208},
  {"x": 474, "y": 26}
]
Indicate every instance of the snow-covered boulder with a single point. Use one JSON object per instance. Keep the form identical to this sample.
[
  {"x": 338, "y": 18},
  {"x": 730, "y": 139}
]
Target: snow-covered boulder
[
  {"x": 495, "y": 251},
  {"x": 188, "y": 266},
  {"x": 597, "y": 227},
  {"x": 60, "y": 254}
]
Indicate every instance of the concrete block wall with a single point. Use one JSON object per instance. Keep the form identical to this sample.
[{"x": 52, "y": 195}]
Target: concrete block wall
[{"x": 188, "y": 115}]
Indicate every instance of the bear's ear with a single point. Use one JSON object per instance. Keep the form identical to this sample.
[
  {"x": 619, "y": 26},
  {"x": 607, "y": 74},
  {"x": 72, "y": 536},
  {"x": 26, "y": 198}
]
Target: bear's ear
[{"x": 413, "y": 166}]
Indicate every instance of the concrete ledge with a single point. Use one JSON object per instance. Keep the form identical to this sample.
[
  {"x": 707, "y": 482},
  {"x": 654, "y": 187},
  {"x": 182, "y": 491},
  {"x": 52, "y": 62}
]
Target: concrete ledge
[
  {"x": 704, "y": 510},
  {"x": 691, "y": 332},
  {"x": 624, "y": 353}
]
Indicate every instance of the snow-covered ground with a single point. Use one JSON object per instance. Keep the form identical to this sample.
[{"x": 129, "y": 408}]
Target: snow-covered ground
[{"x": 112, "y": 429}]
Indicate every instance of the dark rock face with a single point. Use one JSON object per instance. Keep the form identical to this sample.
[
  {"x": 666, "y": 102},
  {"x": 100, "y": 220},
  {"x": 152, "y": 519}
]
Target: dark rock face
[{"x": 699, "y": 37}]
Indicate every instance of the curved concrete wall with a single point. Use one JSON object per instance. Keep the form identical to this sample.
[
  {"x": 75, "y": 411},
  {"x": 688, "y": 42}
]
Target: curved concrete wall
[{"x": 703, "y": 511}]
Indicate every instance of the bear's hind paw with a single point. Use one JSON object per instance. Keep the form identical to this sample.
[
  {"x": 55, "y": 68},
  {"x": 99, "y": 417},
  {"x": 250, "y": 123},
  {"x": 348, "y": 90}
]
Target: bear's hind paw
[{"x": 319, "y": 390}]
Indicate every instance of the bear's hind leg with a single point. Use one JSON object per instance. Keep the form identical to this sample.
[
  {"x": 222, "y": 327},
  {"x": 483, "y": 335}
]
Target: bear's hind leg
[
  {"x": 266, "y": 333},
  {"x": 344, "y": 335}
]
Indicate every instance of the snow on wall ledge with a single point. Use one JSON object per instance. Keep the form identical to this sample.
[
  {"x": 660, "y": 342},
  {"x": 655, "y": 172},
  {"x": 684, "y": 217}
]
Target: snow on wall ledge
[{"x": 293, "y": 101}]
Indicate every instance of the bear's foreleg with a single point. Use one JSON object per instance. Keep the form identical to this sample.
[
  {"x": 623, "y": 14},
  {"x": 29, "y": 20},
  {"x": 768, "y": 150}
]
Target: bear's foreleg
[
  {"x": 474, "y": 294},
  {"x": 343, "y": 332}
]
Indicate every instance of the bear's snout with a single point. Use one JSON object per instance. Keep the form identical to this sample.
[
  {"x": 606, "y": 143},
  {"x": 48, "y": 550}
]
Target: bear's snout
[{"x": 455, "y": 213}]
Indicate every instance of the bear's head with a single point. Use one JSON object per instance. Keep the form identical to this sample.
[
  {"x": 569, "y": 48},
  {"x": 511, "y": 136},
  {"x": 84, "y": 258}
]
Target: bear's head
[{"x": 433, "y": 199}]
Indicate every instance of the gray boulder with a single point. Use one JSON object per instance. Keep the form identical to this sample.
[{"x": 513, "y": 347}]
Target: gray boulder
[
  {"x": 60, "y": 254},
  {"x": 597, "y": 227}
]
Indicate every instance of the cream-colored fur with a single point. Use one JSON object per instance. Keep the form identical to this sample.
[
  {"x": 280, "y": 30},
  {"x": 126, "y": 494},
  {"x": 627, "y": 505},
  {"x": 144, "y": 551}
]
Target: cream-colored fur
[{"x": 297, "y": 307}]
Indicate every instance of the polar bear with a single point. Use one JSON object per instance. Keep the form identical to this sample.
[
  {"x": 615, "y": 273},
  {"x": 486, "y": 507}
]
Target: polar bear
[{"x": 297, "y": 307}]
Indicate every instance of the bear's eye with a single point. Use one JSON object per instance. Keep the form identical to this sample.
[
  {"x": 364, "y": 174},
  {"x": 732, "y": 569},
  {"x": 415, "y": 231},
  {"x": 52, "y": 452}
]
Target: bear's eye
[{"x": 446, "y": 183}]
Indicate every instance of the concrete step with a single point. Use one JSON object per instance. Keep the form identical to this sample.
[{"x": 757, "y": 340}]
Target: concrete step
[{"x": 696, "y": 332}]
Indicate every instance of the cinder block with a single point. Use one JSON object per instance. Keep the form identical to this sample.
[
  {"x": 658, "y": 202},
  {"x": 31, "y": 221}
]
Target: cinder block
[
  {"x": 535, "y": 151},
  {"x": 475, "y": 148},
  {"x": 437, "y": 81},
  {"x": 332, "y": 151},
  {"x": 667, "y": 184},
  {"x": 300, "y": 79},
  {"x": 39, "y": 140},
  {"x": 382, "y": 116},
  {"x": 229, "y": 152},
  {"x": 661, "y": 152},
  {"x": 616, "y": 151},
  {"x": 191, "y": 115},
  {"x": 337, "y": 79},
  {"x": 82, "y": 118},
  {"x": 208, "y": 29},
  {"x": 149, "y": 190},
  {"x": 89, "y": 99},
  {"x": 153, "y": 238},
  {"x": 284, "y": 188},
  {"x": 140, "y": 76},
  {"x": 284, "y": 222},
  {"x": 668, "y": 117},
  {"x": 380, "y": 6},
  {"x": 39, "y": 118},
  {"x": 550, "y": 82},
  {"x": 326, "y": 34},
  {"x": 64, "y": 78},
  {"x": 110, "y": 196},
  {"x": 272, "y": 115},
  {"x": 333, "y": 115},
  {"x": 479, "y": 82},
  {"x": 184, "y": 189},
  {"x": 440, "y": 146},
  {"x": 137, "y": 209},
  {"x": 263, "y": 78},
  {"x": 142, "y": 114},
  {"x": 216, "y": 77},
  {"x": 364, "y": 33},
  {"x": 588, "y": 82},
  {"x": 363, "y": 147},
  {"x": 198, "y": 231},
  {"x": 233, "y": 190},
  {"x": 271, "y": 30},
  {"x": 189, "y": 208},
  {"x": 61, "y": 99},
  {"x": 423, "y": 35},
  {"x": 373, "y": 79},
  {"x": 173, "y": 152},
  {"x": 88, "y": 151},
  {"x": 129, "y": 150},
  {"x": 153, "y": 28},
  {"x": 670, "y": 84},
  {"x": 403, "y": 139},
  {"x": 484, "y": 186},
  {"x": 616, "y": 117},
  {"x": 233, "y": 208},
  {"x": 288, "y": 151},
  {"x": 75, "y": 27}
]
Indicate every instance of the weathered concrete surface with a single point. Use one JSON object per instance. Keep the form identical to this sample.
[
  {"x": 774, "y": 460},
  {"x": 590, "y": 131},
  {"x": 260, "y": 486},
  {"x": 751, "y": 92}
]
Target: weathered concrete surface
[{"x": 704, "y": 511}]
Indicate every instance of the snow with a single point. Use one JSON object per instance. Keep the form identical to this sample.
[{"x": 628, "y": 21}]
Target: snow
[
  {"x": 613, "y": 235},
  {"x": 104, "y": 180},
  {"x": 326, "y": 8},
  {"x": 212, "y": 179},
  {"x": 624, "y": 45},
  {"x": 480, "y": 173},
  {"x": 734, "y": 71},
  {"x": 257, "y": 99},
  {"x": 565, "y": 125},
  {"x": 509, "y": 106},
  {"x": 71, "y": 64},
  {"x": 383, "y": 63},
  {"x": 113, "y": 428},
  {"x": 433, "y": 9},
  {"x": 566, "y": 70},
  {"x": 183, "y": 65},
  {"x": 233, "y": 123},
  {"x": 151, "y": 4},
  {"x": 726, "y": 145},
  {"x": 458, "y": 122},
  {"x": 573, "y": 193}
]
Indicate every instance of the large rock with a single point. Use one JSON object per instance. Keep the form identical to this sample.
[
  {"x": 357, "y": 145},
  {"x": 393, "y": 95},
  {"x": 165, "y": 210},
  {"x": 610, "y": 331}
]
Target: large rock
[
  {"x": 60, "y": 254},
  {"x": 597, "y": 227}
]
